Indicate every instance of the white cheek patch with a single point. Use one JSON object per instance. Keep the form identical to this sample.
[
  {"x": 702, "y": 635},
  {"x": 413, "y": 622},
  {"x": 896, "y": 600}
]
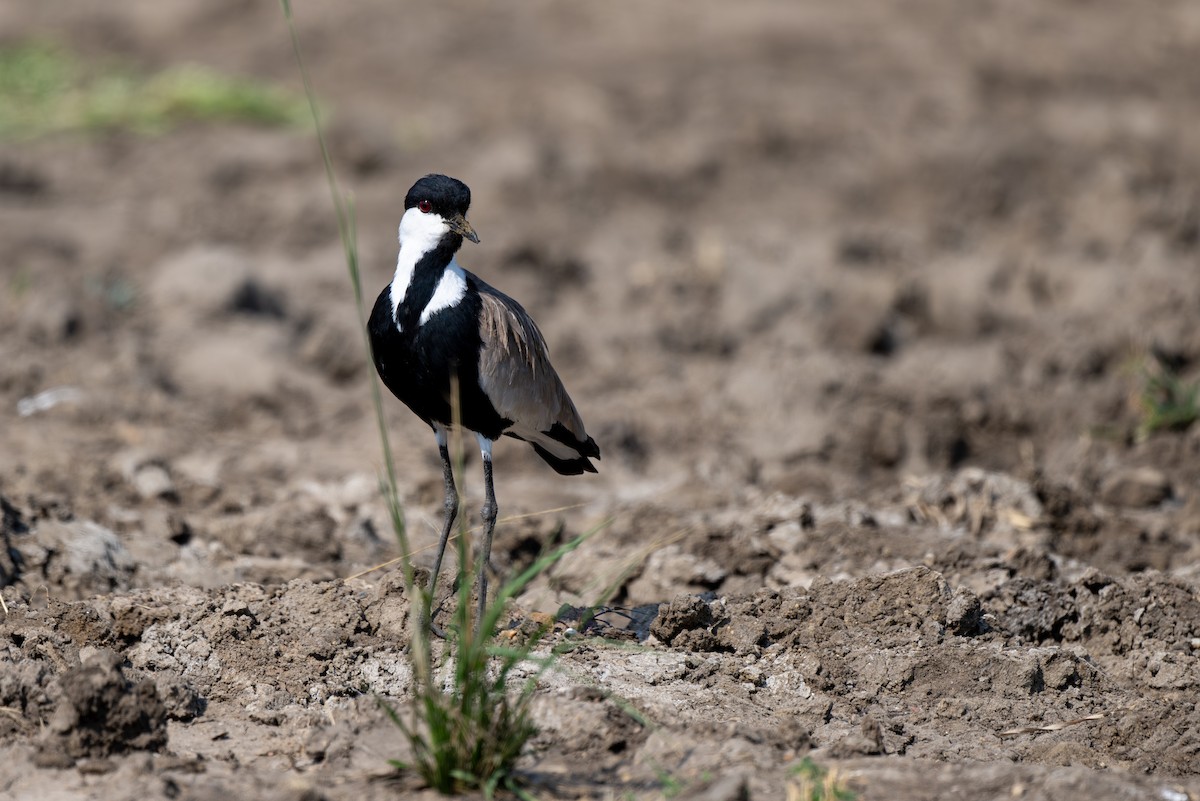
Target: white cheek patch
[
  {"x": 450, "y": 290},
  {"x": 419, "y": 234}
]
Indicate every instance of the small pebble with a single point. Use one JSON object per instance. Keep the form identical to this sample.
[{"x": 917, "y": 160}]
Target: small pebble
[{"x": 153, "y": 481}]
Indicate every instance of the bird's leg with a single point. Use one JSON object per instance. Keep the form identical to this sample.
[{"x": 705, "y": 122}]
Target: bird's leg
[
  {"x": 451, "y": 510},
  {"x": 488, "y": 513}
]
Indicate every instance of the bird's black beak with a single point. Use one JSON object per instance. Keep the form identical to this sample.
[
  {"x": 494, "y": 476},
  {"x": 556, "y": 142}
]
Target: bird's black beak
[{"x": 460, "y": 226}]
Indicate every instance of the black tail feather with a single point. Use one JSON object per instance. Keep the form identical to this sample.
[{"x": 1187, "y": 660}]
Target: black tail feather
[
  {"x": 563, "y": 434},
  {"x": 567, "y": 467}
]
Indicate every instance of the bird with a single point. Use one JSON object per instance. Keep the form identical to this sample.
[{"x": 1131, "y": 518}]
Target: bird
[{"x": 437, "y": 329}]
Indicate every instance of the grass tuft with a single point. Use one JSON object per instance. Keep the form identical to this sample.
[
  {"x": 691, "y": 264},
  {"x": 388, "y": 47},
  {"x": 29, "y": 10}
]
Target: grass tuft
[
  {"x": 814, "y": 782},
  {"x": 471, "y": 735},
  {"x": 45, "y": 90},
  {"x": 1166, "y": 402}
]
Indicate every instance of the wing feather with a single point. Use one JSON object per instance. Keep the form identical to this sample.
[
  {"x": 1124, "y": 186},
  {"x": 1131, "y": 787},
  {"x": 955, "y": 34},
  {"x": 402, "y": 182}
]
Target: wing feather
[{"x": 516, "y": 374}]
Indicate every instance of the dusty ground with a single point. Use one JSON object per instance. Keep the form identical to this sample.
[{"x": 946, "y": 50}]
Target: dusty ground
[{"x": 856, "y": 298}]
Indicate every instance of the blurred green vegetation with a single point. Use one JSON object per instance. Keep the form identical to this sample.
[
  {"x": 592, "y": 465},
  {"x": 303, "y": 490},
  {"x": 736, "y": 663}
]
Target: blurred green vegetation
[
  {"x": 818, "y": 783},
  {"x": 1166, "y": 401},
  {"x": 44, "y": 89}
]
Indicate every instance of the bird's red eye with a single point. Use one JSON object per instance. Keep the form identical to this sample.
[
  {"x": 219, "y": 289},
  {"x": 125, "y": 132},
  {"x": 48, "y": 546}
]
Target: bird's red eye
[{"x": 425, "y": 206}]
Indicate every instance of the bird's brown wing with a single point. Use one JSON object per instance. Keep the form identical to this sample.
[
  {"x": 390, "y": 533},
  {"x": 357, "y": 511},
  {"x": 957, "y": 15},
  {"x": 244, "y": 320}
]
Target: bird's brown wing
[{"x": 516, "y": 375}]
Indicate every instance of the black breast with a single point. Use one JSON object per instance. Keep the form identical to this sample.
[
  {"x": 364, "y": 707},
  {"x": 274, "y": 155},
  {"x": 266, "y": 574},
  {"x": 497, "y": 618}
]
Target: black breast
[{"x": 416, "y": 363}]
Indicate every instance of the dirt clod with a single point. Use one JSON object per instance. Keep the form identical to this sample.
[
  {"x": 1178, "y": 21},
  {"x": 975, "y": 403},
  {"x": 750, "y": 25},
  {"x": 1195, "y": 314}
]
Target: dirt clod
[
  {"x": 684, "y": 614},
  {"x": 1143, "y": 486},
  {"x": 101, "y": 712}
]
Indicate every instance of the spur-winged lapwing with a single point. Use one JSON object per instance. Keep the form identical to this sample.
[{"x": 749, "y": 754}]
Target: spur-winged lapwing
[{"x": 436, "y": 320}]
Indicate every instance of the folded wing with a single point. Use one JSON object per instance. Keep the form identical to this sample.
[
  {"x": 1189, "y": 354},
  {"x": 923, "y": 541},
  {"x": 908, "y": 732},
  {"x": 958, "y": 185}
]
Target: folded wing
[{"x": 516, "y": 375}]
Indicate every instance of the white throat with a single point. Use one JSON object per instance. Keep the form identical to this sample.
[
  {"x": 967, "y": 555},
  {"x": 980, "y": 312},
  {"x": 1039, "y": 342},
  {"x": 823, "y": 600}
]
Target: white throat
[{"x": 419, "y": 234}]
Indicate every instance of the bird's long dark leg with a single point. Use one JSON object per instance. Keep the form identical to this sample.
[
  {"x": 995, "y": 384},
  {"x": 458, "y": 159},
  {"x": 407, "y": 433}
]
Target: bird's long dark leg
[
  {"x": 451, "y": 509},
  {"x": 488, "y": 513}
]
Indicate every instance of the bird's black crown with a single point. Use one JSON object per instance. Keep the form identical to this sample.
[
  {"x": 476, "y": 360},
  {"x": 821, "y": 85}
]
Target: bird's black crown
[{"x": 447, "y": 195}]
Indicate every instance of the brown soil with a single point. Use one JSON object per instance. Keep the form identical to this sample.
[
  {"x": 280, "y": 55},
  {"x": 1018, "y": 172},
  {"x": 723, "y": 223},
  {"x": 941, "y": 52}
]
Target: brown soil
[{"x": 857, "y": 299}]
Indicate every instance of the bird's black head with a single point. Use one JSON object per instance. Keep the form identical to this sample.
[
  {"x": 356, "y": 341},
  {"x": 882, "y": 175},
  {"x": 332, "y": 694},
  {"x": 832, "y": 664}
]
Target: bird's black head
[{"x": 445, "y": 197}]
